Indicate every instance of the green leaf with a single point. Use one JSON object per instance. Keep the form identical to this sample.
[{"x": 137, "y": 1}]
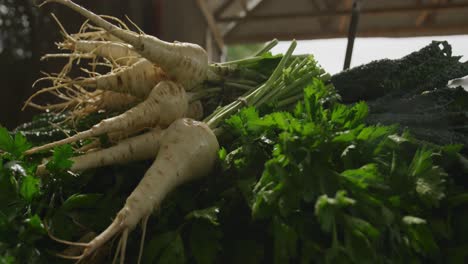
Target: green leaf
[
  {"x": 422, "y": 162},
  {"x": 82, "y": 201},
  {"x": 327, "y": 208},
  {"x": 6, "y": 142},
  {"x": 14, "y": 145},
  {"x": 155, "y": 247},
  {"x": 60, "y": 159},
  {"x": 413, "y": 220},
  {"x": 285, "y": 241},
  {"x": 21, "y": 144},
  {"x": 364, "y": 176},
  {"x": 429, "y": 179},
  {"x": 205, "y": 242},
  {"x": 398, "y": 139},
  {"x": 222, "y": 153},
  {"x": 363, "y": 226},
  {"x": 174, "y": 252},
  {"x": 8, "y": 259},
  {"x": 244, "y": 250},
  {"x": 241, "y": 122},
  {"x": 371, "y": 134},
  {"x": 30, "y": 187},
  {"x": 421, "y": 238},
  {"x": 457, "y": 200},
  {"x": 210, "y": 214},
  {"x": 35, "y": 223}
]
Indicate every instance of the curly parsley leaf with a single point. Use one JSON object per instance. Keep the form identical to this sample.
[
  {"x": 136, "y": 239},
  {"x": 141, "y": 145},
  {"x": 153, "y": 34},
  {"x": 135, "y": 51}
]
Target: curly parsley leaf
[
  {"x": 60, "y": 159},
  {"x": 14, "y": 145}
]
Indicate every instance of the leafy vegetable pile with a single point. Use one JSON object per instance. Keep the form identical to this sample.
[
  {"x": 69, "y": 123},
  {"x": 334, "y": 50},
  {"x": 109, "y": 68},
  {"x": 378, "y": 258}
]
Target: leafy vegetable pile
[
  {"x": 319, "y": 182},
  {"x": 412, "y": 92}
]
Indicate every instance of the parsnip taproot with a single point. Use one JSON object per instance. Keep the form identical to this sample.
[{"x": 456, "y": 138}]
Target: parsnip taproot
[
  {"x": 188, "y": 150},
  {"x": 141, "y": 147},
  {"x": 113, "y": 101},
  {"x": 167, "y": 102},
  {"x": 186, "y": 63},
  {"x": 137, "y": 80},
  {"x": 120, "y": 53}
]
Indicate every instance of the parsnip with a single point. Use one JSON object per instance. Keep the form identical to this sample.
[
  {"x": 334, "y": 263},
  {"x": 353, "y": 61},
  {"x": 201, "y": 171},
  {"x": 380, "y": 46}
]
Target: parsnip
[
  {"x": 120, "y": 53},
  {"x": 188, "y": 150},
  {"x": 137, "y": 80},
  {"x": 136, "y": 148},
  {"x": 186, "y": 63},
  {"x": 166, "y": 96}
]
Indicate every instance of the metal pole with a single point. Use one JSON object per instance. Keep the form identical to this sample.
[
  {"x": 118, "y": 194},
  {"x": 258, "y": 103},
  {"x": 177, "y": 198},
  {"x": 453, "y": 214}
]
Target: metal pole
[{"x": 352, "y": 33}]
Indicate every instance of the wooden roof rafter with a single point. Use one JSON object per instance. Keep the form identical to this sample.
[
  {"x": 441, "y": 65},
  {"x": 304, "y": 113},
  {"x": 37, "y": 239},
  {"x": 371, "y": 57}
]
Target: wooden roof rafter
[
  {"x": 262, "y": 20},
  {"x": 347, "y": 12},
  {"x": 426, "y": 16},
  {"x": 251, "y": 6}
]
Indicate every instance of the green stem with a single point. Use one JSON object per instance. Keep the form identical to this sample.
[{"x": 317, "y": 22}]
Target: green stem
[
  {"x": 266, "y": 48},
  {"x": 252, "y": 97},
  {"x": 239, "y": 86},
  {"x": 276, "y": 73},
  {"x": 290, "y": 100},
  {"x": 243, "y": 81},
  {"x": 241, "y": 61},
  {"x": 287, "y": 89}
]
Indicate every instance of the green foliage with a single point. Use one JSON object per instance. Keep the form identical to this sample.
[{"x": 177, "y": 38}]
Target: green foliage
[
  {"x": 371, "y": 190},
  {"x": 204, "y": 242},
  {"x": 14, "y": 145},
  {"x": 431, "y": 67},
  {"x": 21, "y": 227},
  {"x": 24, "y": 199},
  {"x": 60, "y": 159}
]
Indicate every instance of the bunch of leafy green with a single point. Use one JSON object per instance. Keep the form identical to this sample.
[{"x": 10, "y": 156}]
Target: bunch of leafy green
[
  {"x": 29, "y": 204},
  {"x": 438, "y": 115},
  {"x": 316, "y": 185},
  {"x": 334, "y": 190},
  {"x": 431, "y": 67},
  {"x": 20, "y": 194}
]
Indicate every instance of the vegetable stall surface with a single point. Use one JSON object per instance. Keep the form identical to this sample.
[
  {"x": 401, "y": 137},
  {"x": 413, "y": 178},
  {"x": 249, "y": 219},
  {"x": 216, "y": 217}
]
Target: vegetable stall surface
[{"x": 300, "y": 177}]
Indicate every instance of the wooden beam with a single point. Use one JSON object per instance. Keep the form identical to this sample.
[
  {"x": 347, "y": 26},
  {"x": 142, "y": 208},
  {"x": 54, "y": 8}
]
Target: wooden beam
[
  {"x": 324, "y": 22},
  {"x": 426, "y": 15},
  {"x": 347, "y": 12},
  {"x": 225, "y": 5},
  {"x": 211, "y": 23},
  {"x": 376, "y": 32},
  {"x": 316, "y": 5},
  {"x": 344, "y": 20},
  {"x": 244, "y": 14},
  {"x": 243, "y": 3}
]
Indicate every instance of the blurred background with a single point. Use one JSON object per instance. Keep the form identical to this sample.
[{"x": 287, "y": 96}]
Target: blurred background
[{"x": 231, "y": 29}]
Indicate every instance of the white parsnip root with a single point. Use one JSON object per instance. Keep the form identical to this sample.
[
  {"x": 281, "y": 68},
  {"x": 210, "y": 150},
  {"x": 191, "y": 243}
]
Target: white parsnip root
[
  {"x": 142, "y": 147},
  {"x": 137, "y": 79},
  {"x": 185, "y": 63},
  {"x": 188, "y": 150},
  {"x": 120, "y": 53},
  {"x": 166, "y": 103}
]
